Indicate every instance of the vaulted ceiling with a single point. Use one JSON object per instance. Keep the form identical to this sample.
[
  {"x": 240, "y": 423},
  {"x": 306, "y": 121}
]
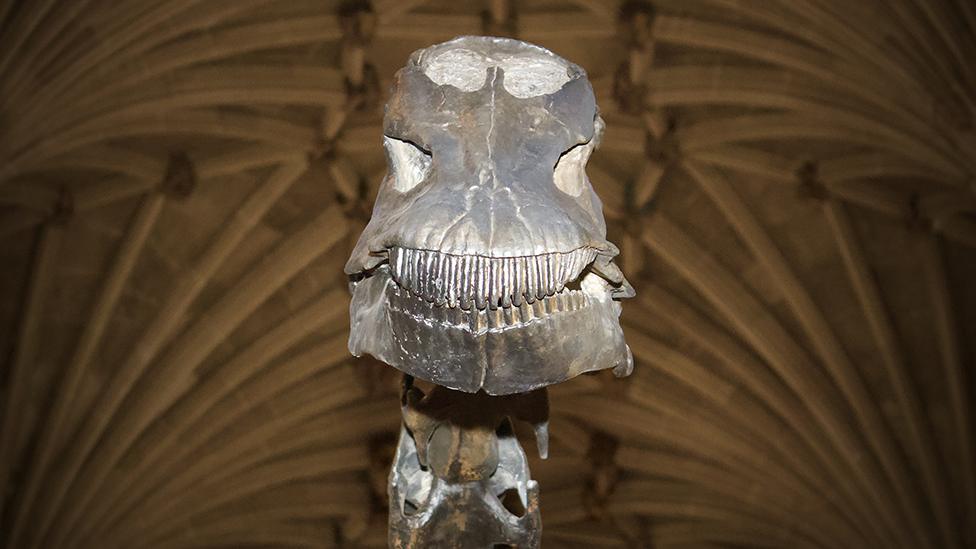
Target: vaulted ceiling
[{"x": 792, "y": 184}]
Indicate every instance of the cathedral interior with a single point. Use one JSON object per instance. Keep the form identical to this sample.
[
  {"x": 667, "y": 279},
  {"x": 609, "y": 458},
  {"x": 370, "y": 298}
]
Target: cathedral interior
[{"x": 791, "y": 183}]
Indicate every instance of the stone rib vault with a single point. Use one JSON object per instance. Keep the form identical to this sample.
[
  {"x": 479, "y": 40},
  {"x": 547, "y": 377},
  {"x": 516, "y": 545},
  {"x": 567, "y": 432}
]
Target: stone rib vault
[{"x": 793, "y": 183}]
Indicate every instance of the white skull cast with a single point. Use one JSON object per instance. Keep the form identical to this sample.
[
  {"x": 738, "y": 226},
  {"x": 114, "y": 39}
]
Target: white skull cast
[{"x": 485, "y": 265}]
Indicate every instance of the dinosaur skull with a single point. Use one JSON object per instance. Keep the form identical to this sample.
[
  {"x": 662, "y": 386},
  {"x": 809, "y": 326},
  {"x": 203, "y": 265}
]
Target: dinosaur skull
[{"x": 485, "y": 264}]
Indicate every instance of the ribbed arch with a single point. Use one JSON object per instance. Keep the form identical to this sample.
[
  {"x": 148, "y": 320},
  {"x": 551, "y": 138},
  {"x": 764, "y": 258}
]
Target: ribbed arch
[{"x": 202, "y": 396}]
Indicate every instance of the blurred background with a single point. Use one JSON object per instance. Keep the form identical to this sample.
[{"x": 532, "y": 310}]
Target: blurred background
[{"x": 792, "y": 184}]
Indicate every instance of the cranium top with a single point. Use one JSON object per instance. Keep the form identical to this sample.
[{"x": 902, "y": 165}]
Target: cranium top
[{"x": 474, "y": 130}]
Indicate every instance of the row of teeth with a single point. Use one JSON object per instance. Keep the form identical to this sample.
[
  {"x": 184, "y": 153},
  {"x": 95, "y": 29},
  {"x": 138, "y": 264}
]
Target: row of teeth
[
  {"x": 489, "y": 318},
  {"x": 463, "y": 280}
]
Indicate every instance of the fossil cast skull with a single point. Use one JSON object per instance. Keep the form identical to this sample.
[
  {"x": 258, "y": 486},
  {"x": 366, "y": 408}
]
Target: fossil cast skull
[{"x": 485, "y": 265}]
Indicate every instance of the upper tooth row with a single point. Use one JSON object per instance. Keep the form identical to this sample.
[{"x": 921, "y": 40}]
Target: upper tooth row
[
  {"x": 485, "y": 281},
  {"x": 489, "y": 318}
]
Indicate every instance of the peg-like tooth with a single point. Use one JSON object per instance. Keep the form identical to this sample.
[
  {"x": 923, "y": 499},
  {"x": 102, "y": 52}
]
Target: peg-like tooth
[
  {"x": 497, "y": 277},
  {"x": 427, "y": 288},
  {"x": 540, "y": 269},
  {"x": 540, "y": 272},
  {"x": 508, "y": 282},
  {"x": 574, "y": 260},
  {"x": 561, "y": 264},
  {"x": 492, "y": 281},
  {"x": 443, "y": 281},
  {"x": 474, "y": 265},
  {"x": 416, "y": 270},
  {"x": 556, "y": 260},
  {"x": 471, "y": 278},
  {"x": 515, "y": 292},
  {"x": 474, "y": 278},
  {"x": 402, "y": 261},
  {"x": 458, "y": 279},
  {"x": 511, "y": 315},
  {"x": 566, "y": 270},
  {"x": 539, "y": 308},
  {"x": 450, "y": 282},
  {"x": 464, "y": 279},
  {"x": 525, "y": 312},
  {"x": 543, "y": 275},
  {"x": 419, "y": 267},
  {"x": 550, "y": 274},
  {"x": 481, "y": 283},
  {"x": 430, "y": 288},
  {"x": 574, "y": 266},
  {"x": 518, "y": 280},
  {"x": 504, "y": 282},
  {"x": 450, "y": 296},
  {"x": 407, "y": 268},
  {"x": 479, "y": 320},
  {"x": 433, "y": 275},
  {"x": 486, "y": 267},
  {"x": 447, "y": 280},
  {"x": 498, "y": 281},
  {"x": 495, "y": 318},
  {"x": 530, "y": 279},
  {"x": 423, "y": 273}
]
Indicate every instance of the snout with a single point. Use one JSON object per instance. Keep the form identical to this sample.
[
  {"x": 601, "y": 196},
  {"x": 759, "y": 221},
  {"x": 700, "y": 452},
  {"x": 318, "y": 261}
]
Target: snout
[{"x": 495, "y": 220}]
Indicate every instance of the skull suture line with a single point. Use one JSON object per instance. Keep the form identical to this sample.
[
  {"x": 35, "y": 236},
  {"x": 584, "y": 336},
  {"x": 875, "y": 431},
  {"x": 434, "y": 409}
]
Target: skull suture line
[{"x": 485, "y": 265}]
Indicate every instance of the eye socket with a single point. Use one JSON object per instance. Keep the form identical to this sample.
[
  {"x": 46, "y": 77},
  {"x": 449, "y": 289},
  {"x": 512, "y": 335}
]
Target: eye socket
[
  {"x": 569, "y": 173},
  {"x": 409, "y": 164},
  {"x": 512, "y": 502}
]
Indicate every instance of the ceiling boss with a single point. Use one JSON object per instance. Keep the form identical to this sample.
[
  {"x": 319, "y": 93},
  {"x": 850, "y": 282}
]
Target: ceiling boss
[{"x": 485, "y": 270}]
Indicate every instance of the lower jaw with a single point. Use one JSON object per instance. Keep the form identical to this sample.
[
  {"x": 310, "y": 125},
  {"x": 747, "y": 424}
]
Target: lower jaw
[{"x": 500, "y": 351}]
